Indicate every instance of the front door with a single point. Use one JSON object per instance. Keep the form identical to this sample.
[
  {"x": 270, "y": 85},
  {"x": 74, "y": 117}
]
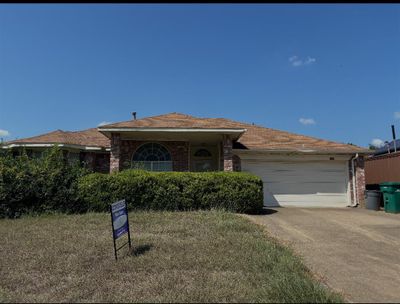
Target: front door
[{"x": 204, "y": 158}]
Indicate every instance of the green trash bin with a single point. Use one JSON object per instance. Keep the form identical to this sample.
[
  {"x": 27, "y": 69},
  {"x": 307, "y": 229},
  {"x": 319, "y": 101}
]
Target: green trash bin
[{"x": 391, "y": 196}]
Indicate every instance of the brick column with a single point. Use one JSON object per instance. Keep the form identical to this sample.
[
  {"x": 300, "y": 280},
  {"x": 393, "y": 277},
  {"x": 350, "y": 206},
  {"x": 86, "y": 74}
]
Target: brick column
[
  {"x": 360, "y": 180},
  {"x": 115, "y": 152},
  {"x": 237, "y": 163},
  {"x": 227, "y": 153}
]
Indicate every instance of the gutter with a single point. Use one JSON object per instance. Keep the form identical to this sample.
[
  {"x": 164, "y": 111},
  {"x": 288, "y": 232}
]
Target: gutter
[
  {"x": 300, "y": 152},
  {"x": 235, "y": 132},
  {"x": 354, "y": 203},
  {"x": 70, "y": 146},
  {"x": 175, "y": 130}
]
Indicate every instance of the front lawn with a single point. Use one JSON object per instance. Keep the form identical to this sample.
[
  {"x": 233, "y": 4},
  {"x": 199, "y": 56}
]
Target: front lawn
[{"x": 178, "y": 257}]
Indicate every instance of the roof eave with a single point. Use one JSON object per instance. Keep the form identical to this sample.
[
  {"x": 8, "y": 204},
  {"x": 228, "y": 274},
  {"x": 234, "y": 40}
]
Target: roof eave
[
  {"x": 302, "y": 151},
  {"x": 48, "y": 145},
  {"x": 235, "y": 132}
]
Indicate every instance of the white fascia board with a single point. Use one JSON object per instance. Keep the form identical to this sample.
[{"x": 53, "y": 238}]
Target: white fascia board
[
  {"x": 27, "y": 145},
  {"x": 174, "y": 130},
  {"x": 93, "y": 148},
  {"x": 250, "y": 151},
  {"x": 31, "y": 145}
]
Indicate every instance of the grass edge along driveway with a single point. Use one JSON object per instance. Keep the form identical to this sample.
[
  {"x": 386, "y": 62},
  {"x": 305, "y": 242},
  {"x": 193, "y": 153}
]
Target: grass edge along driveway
[{"x": 205, "y": 256}]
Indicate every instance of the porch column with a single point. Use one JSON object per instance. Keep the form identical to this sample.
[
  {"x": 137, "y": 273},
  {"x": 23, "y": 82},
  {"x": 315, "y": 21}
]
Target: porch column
[
  {"x": 227, "y": 153},
  {"x": 115, "y": 152}
]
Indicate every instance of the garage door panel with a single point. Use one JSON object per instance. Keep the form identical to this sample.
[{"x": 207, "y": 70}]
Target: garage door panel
[
  {"x": 302, "y": 183},
  {"x": 308, "y": 200},
  {"x": 304, "y": 187}
]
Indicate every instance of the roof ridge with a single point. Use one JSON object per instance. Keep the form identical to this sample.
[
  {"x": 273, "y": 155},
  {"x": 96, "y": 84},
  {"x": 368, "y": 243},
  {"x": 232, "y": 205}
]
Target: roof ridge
[
  {"x": 150, "y": 117},
  {"x": 175, "y": 113},
  {"x": 48, "y": 133},
  {"x": 88, "y": 129}
]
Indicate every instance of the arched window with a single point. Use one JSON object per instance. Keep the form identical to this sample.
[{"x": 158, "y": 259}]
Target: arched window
[
  {"x": 202, "y": 153},
  {"x": 203, "y": 160},
  {"x": 152, "y": 157}
]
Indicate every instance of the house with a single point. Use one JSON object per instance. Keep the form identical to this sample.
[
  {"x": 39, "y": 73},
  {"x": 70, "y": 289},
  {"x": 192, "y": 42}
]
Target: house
[
  {"x": 388, "y": 148},
  {"x": 296, "y": 170}
]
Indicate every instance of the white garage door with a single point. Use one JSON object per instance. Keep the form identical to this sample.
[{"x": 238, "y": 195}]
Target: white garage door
[{"x": 303, "y": 184}]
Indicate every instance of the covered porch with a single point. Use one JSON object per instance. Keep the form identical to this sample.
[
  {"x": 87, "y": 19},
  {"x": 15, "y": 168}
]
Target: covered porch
[{"x": 169, "y": 149}]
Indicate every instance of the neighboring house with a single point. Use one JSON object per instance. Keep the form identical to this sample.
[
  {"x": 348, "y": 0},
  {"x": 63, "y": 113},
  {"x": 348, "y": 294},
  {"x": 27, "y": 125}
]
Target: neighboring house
[
  {"x": 388, "y": 148},
  {"x": 296, "y": 170},
  {"x": 383, "y": 166},
  {"x": 89, "y": 146}
]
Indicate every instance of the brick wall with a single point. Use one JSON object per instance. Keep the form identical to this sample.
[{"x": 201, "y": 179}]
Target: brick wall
[
  {"x": 98, "y": 162},
  {"x": 227, "y": 154},
  {"x": 237, "y": 163},
  {"x": 179, "y": 151},
  {"x": 360, "y": 180},
  {"x": 88, "y": 159},
  {"x": 359, "y": 165},
  {"x": 102, "y": 162},
  {"x": 115, "y": 153}
]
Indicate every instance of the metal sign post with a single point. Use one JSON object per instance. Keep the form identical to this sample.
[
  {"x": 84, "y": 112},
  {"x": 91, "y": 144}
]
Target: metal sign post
[{"x": 120, "y": 224}]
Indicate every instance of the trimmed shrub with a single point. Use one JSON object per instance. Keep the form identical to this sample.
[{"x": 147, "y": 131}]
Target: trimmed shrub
[
  {"x": 49, "y": 183},
  {"x": 232, "y": 191}
]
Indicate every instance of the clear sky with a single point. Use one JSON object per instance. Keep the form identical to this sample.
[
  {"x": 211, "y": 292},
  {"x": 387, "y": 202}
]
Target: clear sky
[{"x": 329, "y": 71}]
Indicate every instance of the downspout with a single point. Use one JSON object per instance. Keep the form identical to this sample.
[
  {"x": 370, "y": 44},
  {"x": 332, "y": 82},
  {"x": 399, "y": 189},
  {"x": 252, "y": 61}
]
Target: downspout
[{"x": 354, "y": 203}]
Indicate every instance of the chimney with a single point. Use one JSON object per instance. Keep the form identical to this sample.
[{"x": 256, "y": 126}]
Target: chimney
[{"x": 134, "y": 115}]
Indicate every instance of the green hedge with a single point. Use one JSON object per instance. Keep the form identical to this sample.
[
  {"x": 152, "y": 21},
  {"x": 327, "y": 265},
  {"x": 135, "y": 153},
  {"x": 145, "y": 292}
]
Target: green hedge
[
  {"x": 38, "y": 185},
  {"x": 51, "y": 184},
  {"x": 233, "y": 191}
]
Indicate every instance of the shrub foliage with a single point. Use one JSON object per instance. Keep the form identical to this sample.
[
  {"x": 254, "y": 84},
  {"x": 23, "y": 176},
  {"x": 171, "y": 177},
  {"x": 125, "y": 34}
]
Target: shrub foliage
[
  {"x": 49, "y": 183},
  {"x": 232, "y": 191}
]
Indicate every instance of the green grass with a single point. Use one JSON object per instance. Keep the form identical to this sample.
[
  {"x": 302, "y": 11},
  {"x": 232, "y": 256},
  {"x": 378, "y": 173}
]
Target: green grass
[{"x": 178, "y": 257}]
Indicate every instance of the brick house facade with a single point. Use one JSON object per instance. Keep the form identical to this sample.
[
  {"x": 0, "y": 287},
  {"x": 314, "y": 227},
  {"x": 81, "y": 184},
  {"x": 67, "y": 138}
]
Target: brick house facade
[
  {"x": 217, "y": 144},
  {"x": 122, "y": 152}
]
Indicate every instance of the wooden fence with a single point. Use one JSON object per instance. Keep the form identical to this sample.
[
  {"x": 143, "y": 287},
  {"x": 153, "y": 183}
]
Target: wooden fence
[{"x": 383, "y": 168}]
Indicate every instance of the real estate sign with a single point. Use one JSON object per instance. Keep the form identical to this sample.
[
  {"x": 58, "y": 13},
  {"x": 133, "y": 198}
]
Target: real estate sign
[{"x": 120, "y": 223}]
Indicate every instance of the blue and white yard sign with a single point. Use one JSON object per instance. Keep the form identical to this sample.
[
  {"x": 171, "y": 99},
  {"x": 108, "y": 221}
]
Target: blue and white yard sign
[
  {"x": 120, "y": 224},
  {"x": 119, "y": 214}
]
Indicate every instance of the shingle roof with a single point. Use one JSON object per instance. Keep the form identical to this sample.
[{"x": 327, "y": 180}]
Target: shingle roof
[
  {"x": 255, "y": 138},
  {"x": 90, "y": 137},
  {"x": 176, "y": 120}
]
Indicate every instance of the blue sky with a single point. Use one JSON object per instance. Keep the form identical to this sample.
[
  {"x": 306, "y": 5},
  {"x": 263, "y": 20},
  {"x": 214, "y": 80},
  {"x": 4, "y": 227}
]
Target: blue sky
[{"x": 329, "y": 71}]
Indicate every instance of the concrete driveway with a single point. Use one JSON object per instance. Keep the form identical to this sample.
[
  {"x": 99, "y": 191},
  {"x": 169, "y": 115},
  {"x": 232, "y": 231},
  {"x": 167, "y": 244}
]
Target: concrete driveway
[{"x": 354, "y": 251}]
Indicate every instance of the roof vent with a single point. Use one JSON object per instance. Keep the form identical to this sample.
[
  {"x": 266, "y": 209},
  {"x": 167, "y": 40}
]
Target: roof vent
[{"x": 134, "y": 115}]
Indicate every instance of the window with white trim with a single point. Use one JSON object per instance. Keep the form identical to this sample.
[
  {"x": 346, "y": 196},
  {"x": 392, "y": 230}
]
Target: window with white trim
[{"x": 152, "y": 157}]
